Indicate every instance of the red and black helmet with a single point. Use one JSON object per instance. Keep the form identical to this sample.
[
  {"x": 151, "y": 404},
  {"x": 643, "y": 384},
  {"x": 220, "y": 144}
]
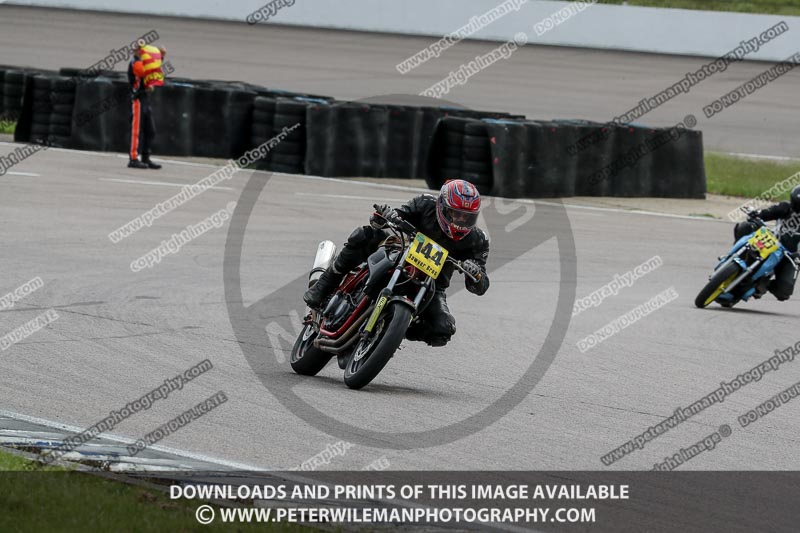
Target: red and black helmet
[{"x": 457, "y": 208}]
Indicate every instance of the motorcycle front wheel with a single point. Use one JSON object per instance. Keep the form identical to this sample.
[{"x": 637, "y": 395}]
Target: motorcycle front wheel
[
  {"x": 374, "y": 351},
  {"x": 717, "y": 284}
]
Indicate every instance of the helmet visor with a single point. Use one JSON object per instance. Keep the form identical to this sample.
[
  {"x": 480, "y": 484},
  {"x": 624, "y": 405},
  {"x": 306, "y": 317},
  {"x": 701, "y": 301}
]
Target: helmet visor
[{"x": 462, "y": 219}]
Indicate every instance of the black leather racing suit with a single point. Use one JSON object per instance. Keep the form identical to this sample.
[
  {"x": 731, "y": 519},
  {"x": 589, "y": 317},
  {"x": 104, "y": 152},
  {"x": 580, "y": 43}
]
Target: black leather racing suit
[
  {"x": 785, "y": 273},
  {"x": 437, "y": 325}
]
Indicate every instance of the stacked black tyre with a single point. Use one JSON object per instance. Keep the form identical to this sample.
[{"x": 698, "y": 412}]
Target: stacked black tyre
[
  {"x": 263, "y": 126},
  {"x": 2, "y": 90},
  {"x": 62, "y": 98},
  {"x": 477, "y": 156},
  {"x": 289, "y": 156},
  {"x": 465, "y": 153},
  {"x": 13, "y": 91},
  {"x": 42, "y": 109}
]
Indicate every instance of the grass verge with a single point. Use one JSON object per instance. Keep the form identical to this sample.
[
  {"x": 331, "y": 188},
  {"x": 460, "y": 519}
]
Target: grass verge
[
  {"x": 36, "y": 498},
  {"x": 772, "y": 7},
  {"x": 734, "y": 176},
  {"x": 7, "y": 127}
]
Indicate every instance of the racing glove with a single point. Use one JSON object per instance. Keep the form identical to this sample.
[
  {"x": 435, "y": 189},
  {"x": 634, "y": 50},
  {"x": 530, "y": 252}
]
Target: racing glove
[
  {"x": 382, "y": 214},
  {"x": 472, "y": 268}
]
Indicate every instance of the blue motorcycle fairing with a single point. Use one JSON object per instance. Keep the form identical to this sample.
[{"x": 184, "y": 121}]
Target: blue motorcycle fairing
[
  {"x": 766, "y": 268},
  {"x": 741, "y": 242},
  {"x": 769, "y": 264}
]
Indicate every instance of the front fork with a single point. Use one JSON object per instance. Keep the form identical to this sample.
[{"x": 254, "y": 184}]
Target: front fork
[{"x": 387, "y": 295}]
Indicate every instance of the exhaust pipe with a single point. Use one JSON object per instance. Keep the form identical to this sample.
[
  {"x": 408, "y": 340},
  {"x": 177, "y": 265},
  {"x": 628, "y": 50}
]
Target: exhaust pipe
[
  {"x": 342, "y": 348},
  {"x": 347, "y": 338},
  {"x": 326, "y": 251}
]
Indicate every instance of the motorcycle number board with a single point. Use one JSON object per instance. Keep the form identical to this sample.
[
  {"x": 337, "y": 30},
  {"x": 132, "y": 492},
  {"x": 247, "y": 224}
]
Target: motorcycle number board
[
  {"x": 764, "y": 241},
  {"x": 426, "y": 255}
]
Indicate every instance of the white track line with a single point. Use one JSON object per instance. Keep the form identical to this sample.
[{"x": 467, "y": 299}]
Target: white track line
[
  {"x": 18, "y": 173},
  {"x": 348, "y": 196},
  {"x": 162, "y": 183},
  {"x": 399, "y": 187},
  {"x": 125, "y": 440},
  {"x": 760, "y": 156}
]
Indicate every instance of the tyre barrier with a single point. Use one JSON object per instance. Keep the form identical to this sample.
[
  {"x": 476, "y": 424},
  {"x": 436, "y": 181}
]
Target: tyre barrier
[
  {"x": 531, "y": 159},
  {"x": 2, "y": 92},
  {"x": 359, "y": 139},
  {"x": 503, "y": 154},
  {"x": 13, "y": 90}
]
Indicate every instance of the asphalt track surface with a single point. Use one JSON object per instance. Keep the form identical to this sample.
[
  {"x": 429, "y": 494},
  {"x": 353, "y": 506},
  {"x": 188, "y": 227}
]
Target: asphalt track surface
[{"x": 120, "y": 333}]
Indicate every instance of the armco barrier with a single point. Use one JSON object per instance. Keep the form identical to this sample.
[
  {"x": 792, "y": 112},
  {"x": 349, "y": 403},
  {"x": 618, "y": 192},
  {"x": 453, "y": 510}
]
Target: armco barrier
[{"x": 502, "y": 154}]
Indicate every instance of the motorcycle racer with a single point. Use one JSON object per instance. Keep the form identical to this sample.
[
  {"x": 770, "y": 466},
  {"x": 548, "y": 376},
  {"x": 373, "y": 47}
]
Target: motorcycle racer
[
  {"x": 788, "y": 213},
  {"x": 449, "y": 218}
]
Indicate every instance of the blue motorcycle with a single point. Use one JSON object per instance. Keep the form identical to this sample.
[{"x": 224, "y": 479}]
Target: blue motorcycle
[{"x": 747, "y": 269}]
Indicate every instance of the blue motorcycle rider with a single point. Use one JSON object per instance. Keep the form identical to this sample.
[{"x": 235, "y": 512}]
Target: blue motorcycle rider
[{"x": 788, "y": 213}]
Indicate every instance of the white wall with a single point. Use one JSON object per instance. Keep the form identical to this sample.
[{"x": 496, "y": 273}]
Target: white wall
[{"x": 671, "y": 31}]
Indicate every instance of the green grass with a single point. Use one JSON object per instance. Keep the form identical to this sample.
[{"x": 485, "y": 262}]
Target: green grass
[
  {"x": 7, "y": 127},
  {"x": 35, "y": 498},
  {"x": 772, "y": 7},
  {"x": 734, "y": 176}
]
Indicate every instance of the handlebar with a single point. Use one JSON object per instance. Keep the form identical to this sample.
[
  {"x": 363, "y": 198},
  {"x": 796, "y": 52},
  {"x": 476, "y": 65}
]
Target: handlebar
[
  {"x": 408, "y": 228},
  {"x": 751, "y": 216}
]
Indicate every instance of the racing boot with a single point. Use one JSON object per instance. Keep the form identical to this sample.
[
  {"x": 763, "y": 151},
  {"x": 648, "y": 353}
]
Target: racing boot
[
  {"x": 150, "y": 164},
  {"x": 325, "y": 285}
]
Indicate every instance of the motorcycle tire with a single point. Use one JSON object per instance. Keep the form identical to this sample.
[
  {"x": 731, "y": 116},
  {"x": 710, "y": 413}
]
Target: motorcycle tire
[
  {"x": 716, "y": 285},
  {"x": 305, "y": 359},
  {"x": 389, "y": 332}
]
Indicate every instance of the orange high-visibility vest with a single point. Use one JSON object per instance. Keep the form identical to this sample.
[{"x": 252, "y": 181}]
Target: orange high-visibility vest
[{"x": 153, "y": 76}]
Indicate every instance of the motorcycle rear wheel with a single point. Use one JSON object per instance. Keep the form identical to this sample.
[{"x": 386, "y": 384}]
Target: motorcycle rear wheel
[
  {"x": 372, "y": 353},
  {"x": 717, "y": 284},
  {"x": 307, "y": 360}
]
